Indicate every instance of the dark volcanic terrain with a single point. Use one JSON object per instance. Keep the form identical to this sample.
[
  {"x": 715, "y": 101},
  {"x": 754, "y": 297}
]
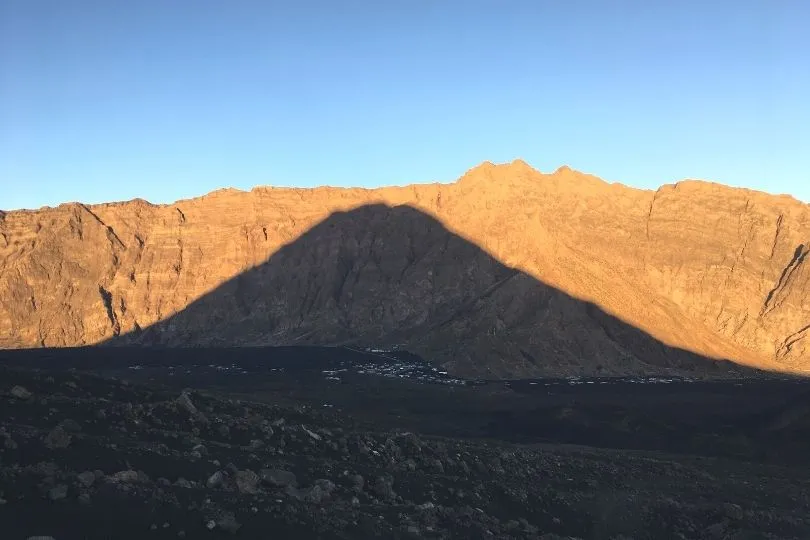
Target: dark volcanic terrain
[{"x": 340, "y": 443}]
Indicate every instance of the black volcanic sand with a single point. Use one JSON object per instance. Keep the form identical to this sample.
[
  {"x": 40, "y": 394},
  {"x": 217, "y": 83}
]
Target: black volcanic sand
[{"x": 105, "y": 451}]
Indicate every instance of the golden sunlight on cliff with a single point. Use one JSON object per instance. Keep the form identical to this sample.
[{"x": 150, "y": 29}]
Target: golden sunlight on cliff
[{"x": 698, "y": 266}]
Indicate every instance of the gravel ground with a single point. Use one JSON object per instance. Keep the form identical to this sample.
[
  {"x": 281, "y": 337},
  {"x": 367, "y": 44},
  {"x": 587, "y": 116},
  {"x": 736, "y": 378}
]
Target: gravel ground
[{"x": 89, "y": 456}]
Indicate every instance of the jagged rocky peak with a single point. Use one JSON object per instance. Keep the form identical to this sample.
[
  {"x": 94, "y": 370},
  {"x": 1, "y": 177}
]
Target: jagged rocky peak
[
  {"x": 516, "y": 164},
  {"x": 491, "y": 175}
]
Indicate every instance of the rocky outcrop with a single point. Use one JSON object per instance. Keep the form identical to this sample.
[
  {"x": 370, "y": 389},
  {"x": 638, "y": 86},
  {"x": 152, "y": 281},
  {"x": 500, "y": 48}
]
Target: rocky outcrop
[{"x": 506, "y": 271}]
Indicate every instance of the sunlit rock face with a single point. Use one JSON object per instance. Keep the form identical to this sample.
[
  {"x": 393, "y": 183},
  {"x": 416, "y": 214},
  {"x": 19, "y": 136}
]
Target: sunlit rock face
[{"x": 506, "y": 272}]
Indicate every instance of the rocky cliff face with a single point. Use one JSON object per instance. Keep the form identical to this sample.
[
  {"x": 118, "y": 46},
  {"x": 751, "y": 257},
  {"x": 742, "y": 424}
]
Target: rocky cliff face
[{"x": 507, "y": 271}]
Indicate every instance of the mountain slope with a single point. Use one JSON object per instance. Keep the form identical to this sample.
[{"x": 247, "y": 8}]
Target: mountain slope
[{"x": 515, "y": 259}]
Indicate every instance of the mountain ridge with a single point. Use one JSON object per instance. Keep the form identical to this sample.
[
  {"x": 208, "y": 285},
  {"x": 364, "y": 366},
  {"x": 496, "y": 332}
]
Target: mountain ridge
[
  {"x": 485, "y": 165},
  {"x": 715, "y": 270}
]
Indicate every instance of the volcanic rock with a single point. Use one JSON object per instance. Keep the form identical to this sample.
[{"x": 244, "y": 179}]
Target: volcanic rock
[
  {"x": 506, "y": 272},
  {"x": 20, "y": 392}
]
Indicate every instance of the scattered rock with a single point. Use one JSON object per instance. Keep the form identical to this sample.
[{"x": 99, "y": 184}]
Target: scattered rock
[
  {"x": 384, "y": 487},
  {"x": 311, "y": 433},
  {"x": 183, "y": 483},
  {"x": 246, "y": 481},
  {"x": 185, "y": 403},
  {"x": 319, "y": 492},
  {"x": 200, "y": 449},
  {"x": 467, "y": 501},
  {"x": 86, "y": 479},
  {"x": 717, "y": 530},
  {"x": 733, "y": 511},
  {"x": 278, "y": 478},
  {"x": 70, "y": 426},
  {"x": 125, "y": 477},
  {"x": 58, "y": 492},
  {"x": 256, "y": 444},
  {"x": 20, "y": 392},
  {"x": 46, "y": 468},
  {"x": 58, "y": 438},
  {"x": 227, "y": 522},
  {"x": 358, "y": 482},
  {"x": 216, "y": 480}
]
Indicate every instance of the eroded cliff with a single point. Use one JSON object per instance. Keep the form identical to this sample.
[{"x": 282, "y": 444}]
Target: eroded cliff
[{"x": 506, "y": 271}]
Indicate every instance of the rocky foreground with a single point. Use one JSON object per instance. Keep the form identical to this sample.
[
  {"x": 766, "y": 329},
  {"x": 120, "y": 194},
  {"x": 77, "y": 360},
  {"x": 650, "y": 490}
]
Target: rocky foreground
[{"x": 84, "y": 456}]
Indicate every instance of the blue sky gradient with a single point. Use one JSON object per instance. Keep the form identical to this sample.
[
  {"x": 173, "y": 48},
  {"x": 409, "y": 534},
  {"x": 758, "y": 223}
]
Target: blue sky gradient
[{"x": 110, "y": 99}]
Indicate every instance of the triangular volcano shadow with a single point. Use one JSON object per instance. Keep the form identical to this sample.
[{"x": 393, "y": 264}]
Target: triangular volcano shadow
[{"x": 384, "y": 276}]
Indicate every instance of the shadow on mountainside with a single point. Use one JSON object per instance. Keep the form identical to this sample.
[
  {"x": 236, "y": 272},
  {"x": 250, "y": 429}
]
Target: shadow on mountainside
[{"x": 380, "y": 276}]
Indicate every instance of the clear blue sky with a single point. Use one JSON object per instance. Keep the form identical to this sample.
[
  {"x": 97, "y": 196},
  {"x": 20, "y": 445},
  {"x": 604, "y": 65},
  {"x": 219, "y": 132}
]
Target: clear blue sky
[{"x": 115, "y": 99}]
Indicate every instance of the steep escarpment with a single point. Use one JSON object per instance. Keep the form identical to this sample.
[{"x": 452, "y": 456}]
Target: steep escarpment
[{"x": 506, "y": 271}]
